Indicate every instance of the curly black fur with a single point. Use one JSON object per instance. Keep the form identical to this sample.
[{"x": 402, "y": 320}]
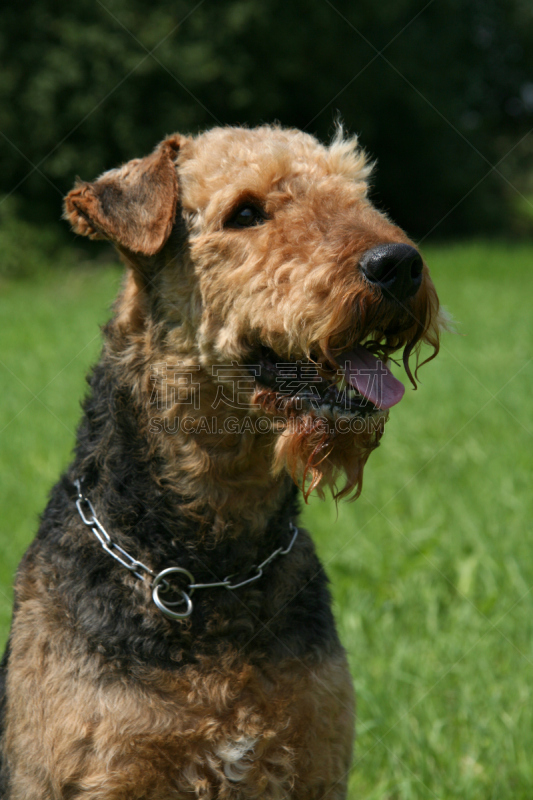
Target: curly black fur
[
  {"x": 286, "y": 613},
  {"x": 3, "y": 675}
]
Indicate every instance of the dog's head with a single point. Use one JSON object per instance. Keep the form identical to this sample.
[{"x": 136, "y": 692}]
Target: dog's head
[{"x": 260, "y": 250}]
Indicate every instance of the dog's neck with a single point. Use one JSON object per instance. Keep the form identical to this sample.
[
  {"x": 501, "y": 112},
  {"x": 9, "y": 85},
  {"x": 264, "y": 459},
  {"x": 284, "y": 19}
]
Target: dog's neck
[{"x": 221, "y": 486}]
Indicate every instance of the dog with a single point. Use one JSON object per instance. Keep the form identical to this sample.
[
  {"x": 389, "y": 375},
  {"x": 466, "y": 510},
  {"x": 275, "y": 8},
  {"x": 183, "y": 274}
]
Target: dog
[{"x": 172, "y": 633}]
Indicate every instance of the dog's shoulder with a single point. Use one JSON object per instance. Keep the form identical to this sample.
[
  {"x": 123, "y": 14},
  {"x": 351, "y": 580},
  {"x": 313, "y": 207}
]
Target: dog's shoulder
[{"x": 3, "y": 676}]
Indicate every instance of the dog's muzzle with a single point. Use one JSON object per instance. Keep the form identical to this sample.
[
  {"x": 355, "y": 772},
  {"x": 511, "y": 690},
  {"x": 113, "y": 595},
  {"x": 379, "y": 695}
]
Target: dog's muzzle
[{"x": 395, "y": 268}]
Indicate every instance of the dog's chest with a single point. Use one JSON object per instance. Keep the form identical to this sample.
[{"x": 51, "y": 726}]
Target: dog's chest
[{"x": 220, "y": 729}]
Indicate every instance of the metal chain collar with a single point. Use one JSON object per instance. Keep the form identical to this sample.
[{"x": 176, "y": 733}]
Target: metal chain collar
[{"x": 159, "y": 582}]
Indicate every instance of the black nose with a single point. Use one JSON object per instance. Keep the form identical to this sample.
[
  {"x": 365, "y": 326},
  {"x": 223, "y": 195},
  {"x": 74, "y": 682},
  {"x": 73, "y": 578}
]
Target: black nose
[{"x": 395, "y": 268}]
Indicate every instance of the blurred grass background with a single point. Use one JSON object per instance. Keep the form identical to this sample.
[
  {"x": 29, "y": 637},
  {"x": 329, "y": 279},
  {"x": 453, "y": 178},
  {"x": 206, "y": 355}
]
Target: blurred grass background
[{"x": 431, "y": 569}]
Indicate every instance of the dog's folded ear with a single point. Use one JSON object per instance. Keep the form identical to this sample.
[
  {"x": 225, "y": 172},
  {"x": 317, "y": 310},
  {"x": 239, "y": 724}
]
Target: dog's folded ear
[{"x": 133, "y": 206}]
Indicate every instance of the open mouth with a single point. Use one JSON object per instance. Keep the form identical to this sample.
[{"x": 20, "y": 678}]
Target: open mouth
[{"x": 360, "y": 384}]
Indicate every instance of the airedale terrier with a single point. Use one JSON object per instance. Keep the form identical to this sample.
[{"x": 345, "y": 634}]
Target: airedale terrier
[{"x": 172, "y": 633}]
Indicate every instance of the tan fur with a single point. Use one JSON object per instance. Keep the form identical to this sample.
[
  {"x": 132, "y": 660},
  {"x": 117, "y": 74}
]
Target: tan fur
[
  {"x": 123, "y": 206},
  {"x": 293, "y": 285},
  {"x": 163, "y": 736},
  {"x": 199, "y": 295}
]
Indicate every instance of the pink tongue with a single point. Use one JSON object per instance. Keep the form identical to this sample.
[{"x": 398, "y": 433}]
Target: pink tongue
[{"x": 371, "y": 377}]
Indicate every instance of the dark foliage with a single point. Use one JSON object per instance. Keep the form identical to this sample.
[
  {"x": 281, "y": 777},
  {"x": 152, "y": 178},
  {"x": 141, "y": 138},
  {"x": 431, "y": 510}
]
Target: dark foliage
[{"x": 438, "y": 91}]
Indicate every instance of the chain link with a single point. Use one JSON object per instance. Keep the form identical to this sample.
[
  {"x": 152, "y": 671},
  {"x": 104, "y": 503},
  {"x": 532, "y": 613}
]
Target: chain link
[{"x": 159, "y": 582}]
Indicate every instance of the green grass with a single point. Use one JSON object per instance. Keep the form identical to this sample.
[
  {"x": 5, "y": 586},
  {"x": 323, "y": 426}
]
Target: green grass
[{"x": 430, "y": 569}]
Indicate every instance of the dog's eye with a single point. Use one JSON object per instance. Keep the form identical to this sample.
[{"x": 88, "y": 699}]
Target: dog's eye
[{"x": 246, "y": 217}]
